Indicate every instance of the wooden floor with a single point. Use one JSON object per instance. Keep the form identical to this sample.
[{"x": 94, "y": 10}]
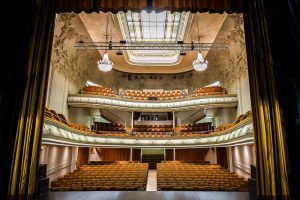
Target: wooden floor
[{"x": 142, "y": 195}]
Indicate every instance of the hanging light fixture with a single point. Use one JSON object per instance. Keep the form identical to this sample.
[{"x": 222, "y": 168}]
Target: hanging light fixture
[
  {"x": 200, "y": 64},
  {"x": 105, "y": 64}
]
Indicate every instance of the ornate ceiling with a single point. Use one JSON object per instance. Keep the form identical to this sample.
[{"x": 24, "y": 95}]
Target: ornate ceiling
[{"x": 81, "y": 65}]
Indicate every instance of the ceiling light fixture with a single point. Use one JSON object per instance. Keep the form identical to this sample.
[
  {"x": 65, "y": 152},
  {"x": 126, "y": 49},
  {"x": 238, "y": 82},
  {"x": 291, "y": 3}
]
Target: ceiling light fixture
[
  {"x": 105, "y": 64},
  {"x": 200, "y": 64}
]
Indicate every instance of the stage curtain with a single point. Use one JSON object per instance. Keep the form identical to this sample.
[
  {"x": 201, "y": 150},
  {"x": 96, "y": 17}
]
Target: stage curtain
[
  {"x": 271, "y": 163},
  {"x": 101, "y": 5},
  {"x": 190, "y": 154},
  {"x": 114, "y": 154},
  {"x": 169, "y": 154},
  {"x": 82, "y": 156},
  {"x": 32, "y": 89},
  {"x": 222, "y": 157},
  {"x": 157, "y": 5},
  {"x": 198, "y": 5},
  {"x": 136, "y": 154}
]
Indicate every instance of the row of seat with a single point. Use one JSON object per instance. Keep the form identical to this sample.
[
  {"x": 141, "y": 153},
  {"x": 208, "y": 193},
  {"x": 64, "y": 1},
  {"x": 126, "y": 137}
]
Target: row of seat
[
  {"x": 157, "y": 95},
  {"x": 238, "y": 120},
  {"x": 108, "y": 176},
  {"x": 100, "y": 126},
  {"x": 51, "y": 114},
  {"x": 152, "y": 95},
  {"x": 216, "y": 90},
  {"x": 190, "y": 176},
  {"x": 207, "y": 126},
  {"x": 152, "y": 131},
  {"x": 97, "y": 90}
]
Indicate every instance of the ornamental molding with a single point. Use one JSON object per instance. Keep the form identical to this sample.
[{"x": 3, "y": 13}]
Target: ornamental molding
[
  {"x": 92, "y": 101},
  {"x": 59, "y": 134}
]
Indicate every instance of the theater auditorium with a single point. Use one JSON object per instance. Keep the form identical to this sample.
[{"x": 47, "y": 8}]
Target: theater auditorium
[{"x": 151, "y": 100}]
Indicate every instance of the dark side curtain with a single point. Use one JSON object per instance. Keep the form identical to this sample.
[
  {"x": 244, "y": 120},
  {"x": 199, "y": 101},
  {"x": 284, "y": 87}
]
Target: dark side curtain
[
  {"x": 269, "y": 140},
  {"x": 222, "y": 157},
  {"x": 27, "y": 58}
]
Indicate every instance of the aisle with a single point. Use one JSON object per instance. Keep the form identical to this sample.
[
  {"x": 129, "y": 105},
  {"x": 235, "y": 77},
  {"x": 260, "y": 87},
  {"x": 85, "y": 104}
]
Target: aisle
[{"x": 152, "y": 180}]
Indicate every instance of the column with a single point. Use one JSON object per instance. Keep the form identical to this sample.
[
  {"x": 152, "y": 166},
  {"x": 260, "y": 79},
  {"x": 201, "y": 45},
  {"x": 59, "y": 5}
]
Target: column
[
  {"x": 130, "y": 156},
  {"x": 230, "y": 162},
  {"x": 216, "y": 158},
  {"x": 141, "y": 155},
  {"x": 173, "y": 119},
  {"x": 174, "y": 155},
  {"x": 165, "y": 155},
  {"x": 131, "y": 120}
]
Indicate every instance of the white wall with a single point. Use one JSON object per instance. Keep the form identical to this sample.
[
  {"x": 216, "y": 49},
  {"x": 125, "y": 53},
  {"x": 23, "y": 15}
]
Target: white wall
[
  {"x": 211, "y": 156},
  {"x": 80, "y": 116},
  {"x": 242, "y": 157},
  {"x": 225, "y": 116},
  {"x": 94, "y": 156},
  {"x": 58, "y": 89},
  {"x": 59, "y": 159},
  {"x": 243, "y": 94}
]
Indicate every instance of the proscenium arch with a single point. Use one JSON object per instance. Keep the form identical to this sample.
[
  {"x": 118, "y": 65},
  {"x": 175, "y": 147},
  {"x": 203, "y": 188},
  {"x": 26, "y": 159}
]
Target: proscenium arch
[{"x": 23, "y": 121}]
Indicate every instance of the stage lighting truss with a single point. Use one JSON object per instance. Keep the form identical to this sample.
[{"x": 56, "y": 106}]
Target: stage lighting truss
[{"x": 150, "y": 46}]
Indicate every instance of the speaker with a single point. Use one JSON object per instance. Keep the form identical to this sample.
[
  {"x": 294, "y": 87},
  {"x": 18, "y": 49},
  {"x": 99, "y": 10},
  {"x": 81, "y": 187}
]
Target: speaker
[
  {"x": 252, "y": 188},
  {"x": 42, "y": 171},
  {"x": 253, "y": 171},
  {"x": 43, "y": 186}
]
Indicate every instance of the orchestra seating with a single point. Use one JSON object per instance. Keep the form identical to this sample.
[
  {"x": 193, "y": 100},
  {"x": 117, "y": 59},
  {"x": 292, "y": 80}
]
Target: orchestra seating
[
  {"x": 97, "y": 90},
  {"x": 216, "y": 90},
  {"x": 153, "y": 95},
  {"x": 116, "y": 176},
  {"x": 195, "y": 176},
  {"x": 100, "y": 126},
  {"x": 197, "y": 127}
]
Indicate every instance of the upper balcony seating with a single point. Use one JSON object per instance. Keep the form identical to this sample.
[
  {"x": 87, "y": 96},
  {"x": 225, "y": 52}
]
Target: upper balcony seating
[
  {"x": 62, "y": 119},
  {"x": 215, "y": 90},
  {"x": 100, "y": 126},
  {"x": 153, "y": 128},
  {"x": 148, "y": 131},
  {"x": 122, "y": 175},
  {"x": 197, "y": 176},
  {"x": 153, "y": 95},
  {"x": 238, "y": 120},
  {"x": 197, "y": 127},
  {"x": 97, "y": 90}
]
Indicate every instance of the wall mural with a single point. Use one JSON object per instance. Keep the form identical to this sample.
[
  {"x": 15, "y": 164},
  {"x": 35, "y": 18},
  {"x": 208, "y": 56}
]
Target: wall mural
[{"x": 237, "y": 66}]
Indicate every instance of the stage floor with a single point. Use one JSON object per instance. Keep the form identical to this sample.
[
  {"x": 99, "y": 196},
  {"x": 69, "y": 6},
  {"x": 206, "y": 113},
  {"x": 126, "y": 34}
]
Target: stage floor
[{"x": 147, "y": 195}]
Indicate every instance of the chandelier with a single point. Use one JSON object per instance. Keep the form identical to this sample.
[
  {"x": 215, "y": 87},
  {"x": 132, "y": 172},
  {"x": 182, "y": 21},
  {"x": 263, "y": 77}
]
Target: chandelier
[
  {"x": 200, "y": 64},
  {"x": 105, "y": 64}
]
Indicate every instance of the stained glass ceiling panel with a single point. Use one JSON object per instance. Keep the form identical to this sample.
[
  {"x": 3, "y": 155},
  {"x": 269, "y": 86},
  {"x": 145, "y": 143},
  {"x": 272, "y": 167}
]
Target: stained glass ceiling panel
[{"x": 153, "y": 27}]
